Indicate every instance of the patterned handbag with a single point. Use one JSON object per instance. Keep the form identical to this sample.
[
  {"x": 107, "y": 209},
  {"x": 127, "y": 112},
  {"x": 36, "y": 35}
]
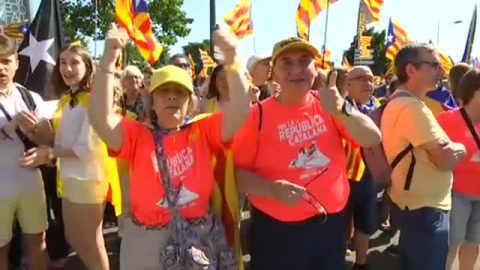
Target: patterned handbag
[{"x": 198, "y": 244}]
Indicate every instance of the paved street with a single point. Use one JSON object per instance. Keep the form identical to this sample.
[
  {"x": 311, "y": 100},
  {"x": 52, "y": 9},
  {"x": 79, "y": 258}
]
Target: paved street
[{"x": 378, "y": 259}]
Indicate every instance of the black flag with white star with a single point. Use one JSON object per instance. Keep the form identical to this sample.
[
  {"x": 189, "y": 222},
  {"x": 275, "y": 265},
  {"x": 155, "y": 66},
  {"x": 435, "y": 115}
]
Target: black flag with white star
[{"x": 39, "y": 50}]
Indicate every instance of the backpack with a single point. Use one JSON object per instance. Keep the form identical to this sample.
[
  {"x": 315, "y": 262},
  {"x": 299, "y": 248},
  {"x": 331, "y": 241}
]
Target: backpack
[
  {"x": 31, "y": 105},
  {"x": 374, "y": 157}
]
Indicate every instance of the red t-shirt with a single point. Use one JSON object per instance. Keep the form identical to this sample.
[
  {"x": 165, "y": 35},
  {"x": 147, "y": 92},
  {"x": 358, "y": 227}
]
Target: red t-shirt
[
  {"x": 189, "y": 159},
  {"x": 465, "y": 175},
  {"x": 295, "y": 143}
]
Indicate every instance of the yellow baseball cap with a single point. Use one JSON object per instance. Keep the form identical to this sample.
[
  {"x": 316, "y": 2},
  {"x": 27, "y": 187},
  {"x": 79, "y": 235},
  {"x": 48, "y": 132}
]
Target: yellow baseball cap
[
  {"x": 171, "y": 74},
  {"x": 293, "y": 43}
]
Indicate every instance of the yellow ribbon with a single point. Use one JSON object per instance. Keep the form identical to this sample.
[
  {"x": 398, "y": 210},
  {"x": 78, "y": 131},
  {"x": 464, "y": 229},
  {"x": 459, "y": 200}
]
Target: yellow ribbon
[{"x": 110, "y": 164}]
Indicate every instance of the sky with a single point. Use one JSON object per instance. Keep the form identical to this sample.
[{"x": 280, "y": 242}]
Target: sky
[{"x": 274, "y": 20}]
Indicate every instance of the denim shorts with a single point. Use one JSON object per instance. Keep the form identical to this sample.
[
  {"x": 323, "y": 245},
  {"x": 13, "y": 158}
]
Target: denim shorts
[{"x": 465, "y": 219}]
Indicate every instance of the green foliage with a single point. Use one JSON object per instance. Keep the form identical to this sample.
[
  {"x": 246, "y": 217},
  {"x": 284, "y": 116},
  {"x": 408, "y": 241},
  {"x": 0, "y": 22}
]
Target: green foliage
[
  {"x": 379, "y": 46},
  {"x": 79, "y": 23}
]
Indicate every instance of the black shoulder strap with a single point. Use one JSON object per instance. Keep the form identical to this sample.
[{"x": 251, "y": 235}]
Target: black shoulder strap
[
  {"x": 25, "y": 140},
  {"x": 260, "y": 113},
  {"x": 27, "y": 97},
  {"x": 470, "y": 126}
]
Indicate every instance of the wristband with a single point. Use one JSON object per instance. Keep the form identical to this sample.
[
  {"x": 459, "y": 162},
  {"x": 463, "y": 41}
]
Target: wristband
[
  {"x": 106, "y": 71},
  {"x": 235, "y": 66}
]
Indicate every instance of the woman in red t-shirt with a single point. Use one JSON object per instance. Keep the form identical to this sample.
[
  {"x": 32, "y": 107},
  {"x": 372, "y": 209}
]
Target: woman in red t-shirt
[
  {"x": 465, "y": 214},
  {"x": 184, "y": 151}
]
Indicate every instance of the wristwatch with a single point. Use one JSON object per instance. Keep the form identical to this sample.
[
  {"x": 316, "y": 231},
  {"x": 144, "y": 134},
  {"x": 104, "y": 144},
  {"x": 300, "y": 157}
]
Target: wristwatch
[
  {"x": 51, "y": 156},
  {"x": 347, "y": 110}
]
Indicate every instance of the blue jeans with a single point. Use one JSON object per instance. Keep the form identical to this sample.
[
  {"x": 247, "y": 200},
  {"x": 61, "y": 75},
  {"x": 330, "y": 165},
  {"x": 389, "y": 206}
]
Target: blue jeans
[{"x": 424, "y": 236}]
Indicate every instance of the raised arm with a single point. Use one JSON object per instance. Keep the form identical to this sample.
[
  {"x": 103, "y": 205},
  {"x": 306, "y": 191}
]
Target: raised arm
[
  {"x": 238, "y": 110},
  {"x": 359, "y": 126},
  {"x": 102, "y": 117}
]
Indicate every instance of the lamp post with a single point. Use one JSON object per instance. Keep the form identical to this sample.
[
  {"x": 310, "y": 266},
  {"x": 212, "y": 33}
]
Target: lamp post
[
  {"x": 438, "y": 30},
  {"x": 212, "y": 25}
]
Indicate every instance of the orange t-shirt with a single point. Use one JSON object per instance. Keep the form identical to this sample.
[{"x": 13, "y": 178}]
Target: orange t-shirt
[
  {"x": 465, "y": 175},
  {"x": 189, "y": 159},
  {"x": 295, "y": 143}
]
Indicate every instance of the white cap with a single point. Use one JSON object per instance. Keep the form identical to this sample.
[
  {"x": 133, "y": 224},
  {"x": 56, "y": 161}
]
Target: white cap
[{"x": 254, "y": 59}]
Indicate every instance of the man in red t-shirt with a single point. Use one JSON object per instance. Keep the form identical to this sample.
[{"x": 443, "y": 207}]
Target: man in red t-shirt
[{"x": 290, "y": 161}]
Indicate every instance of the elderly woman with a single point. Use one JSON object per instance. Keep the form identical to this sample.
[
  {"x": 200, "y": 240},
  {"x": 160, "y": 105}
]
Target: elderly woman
[{"x": 172, "y": 178}]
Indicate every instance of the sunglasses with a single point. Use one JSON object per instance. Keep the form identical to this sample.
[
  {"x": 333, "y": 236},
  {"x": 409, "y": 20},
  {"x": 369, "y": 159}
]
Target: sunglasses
[
  {"x": 433, "y": 64},
  {"x": 182, "y": 65},
  {"x": 312, "y": 200}
]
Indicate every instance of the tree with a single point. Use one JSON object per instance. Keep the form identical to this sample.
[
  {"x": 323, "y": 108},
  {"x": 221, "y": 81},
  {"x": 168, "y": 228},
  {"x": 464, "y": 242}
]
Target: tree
[
  {"x": 80, "y": 22},
  {"x": 379, "y": 47},
  {"x": 192, "y": 49}
]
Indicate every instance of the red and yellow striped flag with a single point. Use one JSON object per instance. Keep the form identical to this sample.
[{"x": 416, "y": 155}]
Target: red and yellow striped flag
[
  {"x": 206, "y": 59},
  {"x": 192, "y": 65},
  {"x": 346, "y": 64},
  {"x": 445, "y": 61},
  {"x": 375, "y": 6},
  {"x": 397, "y": 38},
  {"x": 134, "y": 17},
  {"x": 240, "y": 19},
  {"x": 307, "y": 11}
]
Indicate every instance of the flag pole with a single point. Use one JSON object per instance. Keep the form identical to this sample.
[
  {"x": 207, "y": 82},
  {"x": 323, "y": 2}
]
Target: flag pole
[
  {"x": 96, "y": 29},
  {"x": 325, "y": 38},
  {"x": 212, "y": 27},
  {"x": 359, "y": 34}
]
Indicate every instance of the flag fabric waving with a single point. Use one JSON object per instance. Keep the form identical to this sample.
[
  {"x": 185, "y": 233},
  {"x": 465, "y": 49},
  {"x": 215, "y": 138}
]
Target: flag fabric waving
[
  {"x": 192, "y": 66},
  {"x": 446, "y": 62},
  {"x": 471, "y": 35},
  {"x": 323, "y": 60},
  {"x": 207, "y": 61},
  {"x": 40, "y": 48},
  {"x": 16, "y": 31},
  {"x": 346, "y": 64},
  {"x": 374, "y": 7},
  {"x": 134, "y": 17},
  {"x": 240, "y": 19},
  {"x": 396, "y": 38},
  {"x": 307, "y": 11},
  {"x": 440, "y": 100}
]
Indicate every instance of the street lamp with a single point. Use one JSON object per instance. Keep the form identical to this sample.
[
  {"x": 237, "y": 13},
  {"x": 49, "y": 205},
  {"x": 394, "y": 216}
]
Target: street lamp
[{"x": 438, "y": 30}]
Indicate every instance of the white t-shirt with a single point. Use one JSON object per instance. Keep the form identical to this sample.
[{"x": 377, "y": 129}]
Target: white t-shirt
[
  {"x": 76, "y": 133},
  {"x": 14, "y": 180}
]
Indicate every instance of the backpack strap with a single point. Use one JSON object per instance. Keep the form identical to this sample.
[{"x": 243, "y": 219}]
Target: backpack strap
[
  {"x": 27, "y": 97},
  {"x": 260, "y": 117},
  {"x": 470, "y": 126}
]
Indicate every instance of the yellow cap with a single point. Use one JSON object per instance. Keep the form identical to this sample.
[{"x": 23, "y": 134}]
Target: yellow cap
[
  {"x": 293, "y": 43},
  {"x": 171, "y": 74}
]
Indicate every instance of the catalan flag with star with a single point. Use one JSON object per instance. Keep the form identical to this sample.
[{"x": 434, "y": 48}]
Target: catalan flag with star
[
  {"x": 397, "y": 37},
  {"x": 307, "y": 11},
  {"x": 134, "y": 17},
  {"x": 16, "y": 31},
  {"x": 240, "y": 19}
]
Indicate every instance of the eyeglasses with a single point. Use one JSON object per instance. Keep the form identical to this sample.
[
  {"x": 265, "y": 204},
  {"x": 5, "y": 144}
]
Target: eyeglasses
[
  {"x": 433, "y": 64},
  {"x": 288, "y": 64},
  {"x": 312, "y": 200},
  {"x": 182, "y": 65}
]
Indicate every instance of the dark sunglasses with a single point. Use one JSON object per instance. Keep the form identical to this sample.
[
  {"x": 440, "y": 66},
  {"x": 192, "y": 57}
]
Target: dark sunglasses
[
  {"x": 312, "y": 200},
  {"x": 433, "y": 64},
  {"x": 182, "y": 65}
]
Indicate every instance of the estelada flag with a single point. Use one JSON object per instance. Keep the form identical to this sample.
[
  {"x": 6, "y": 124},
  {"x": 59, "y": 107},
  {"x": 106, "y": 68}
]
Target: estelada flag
[{"x": 134, "y": 17}]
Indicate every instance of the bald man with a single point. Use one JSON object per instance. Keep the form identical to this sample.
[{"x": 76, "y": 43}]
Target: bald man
[{"x": 363, "y": 194}]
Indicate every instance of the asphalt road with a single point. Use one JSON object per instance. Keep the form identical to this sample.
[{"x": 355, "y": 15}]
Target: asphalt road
[{"x": 378, "y": 258}]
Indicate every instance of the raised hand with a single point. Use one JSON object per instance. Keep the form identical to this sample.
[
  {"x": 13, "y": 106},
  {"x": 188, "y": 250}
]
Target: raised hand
[
  {"x": 330, "y": 98},
  {"x": 227, "y": 43},
  {"x": 116, "y": 40}
]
